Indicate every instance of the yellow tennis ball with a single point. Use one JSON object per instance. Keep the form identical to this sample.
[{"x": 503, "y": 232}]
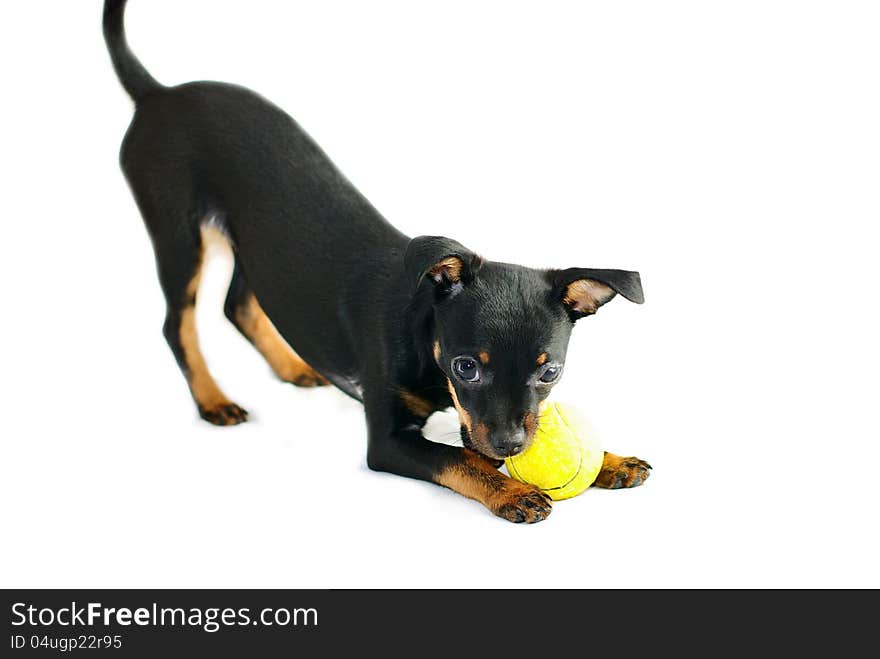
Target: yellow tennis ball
[{"x": 565, "y": 456}]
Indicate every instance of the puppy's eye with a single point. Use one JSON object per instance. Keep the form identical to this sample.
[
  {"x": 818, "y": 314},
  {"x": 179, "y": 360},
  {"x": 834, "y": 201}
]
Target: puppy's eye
[
  {"x": 550, "y": 375},
  {"x": 466, "y": 369}
]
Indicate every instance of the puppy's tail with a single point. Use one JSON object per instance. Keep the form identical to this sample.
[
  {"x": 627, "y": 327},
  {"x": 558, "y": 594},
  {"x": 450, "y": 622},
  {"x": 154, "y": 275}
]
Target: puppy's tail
[{"x": 132, "y": 74}]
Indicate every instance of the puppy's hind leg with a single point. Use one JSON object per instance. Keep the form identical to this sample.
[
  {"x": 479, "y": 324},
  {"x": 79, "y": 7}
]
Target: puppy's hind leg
[
  {"x": 245, "y": 312},
  {"x": 179, "y": 264}
]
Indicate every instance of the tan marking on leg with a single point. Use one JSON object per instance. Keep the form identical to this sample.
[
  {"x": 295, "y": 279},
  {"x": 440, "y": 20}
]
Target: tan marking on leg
[
  {"x": 484, "y": 357},
  {"x": 213, "y": 404},
  {"x": 204, "y": 388},
  {"x": 213, "y": 239},
  {"x": 287, "y": 365},
  {"x": 416, "y": 404},
  {"x": 542, "y": 359},
  {"x": 475, "y": 478}
]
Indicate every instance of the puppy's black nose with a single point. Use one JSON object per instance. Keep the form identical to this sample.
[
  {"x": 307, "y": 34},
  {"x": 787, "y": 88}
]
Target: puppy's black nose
[{"x": 508, "y": 443}]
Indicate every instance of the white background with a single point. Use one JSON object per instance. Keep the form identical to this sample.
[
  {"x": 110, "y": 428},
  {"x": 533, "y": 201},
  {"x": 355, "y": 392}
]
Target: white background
[{"x": 729, "y": 151}]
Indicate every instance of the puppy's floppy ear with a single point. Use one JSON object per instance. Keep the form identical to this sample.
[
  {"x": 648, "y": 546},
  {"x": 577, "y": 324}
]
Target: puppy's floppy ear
[
  {"x": 584, "y": 290},
  {"x": 447, "y": 264}
]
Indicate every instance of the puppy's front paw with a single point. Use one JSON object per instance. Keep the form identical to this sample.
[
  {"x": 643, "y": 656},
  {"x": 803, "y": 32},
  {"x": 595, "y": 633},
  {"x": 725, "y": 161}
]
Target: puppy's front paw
[
  {"x": 620, "y": 472},
  {"x": 518, "y": 502},
  {"x": 224, "y": 413}
]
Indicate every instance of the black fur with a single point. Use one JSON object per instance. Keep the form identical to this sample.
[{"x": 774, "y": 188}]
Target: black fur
[{"x": 350, "y": 293}]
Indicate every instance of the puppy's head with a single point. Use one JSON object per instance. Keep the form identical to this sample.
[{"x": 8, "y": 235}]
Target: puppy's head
[{"x": 501, "y": 333}]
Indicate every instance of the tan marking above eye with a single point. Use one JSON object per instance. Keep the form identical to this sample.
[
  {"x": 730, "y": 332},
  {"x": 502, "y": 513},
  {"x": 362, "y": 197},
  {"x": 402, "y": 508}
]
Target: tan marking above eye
[
  {"x": 437, "y": 351},
  {"x": 542, "y": 359},
  {"x": 484, "y": 356}
]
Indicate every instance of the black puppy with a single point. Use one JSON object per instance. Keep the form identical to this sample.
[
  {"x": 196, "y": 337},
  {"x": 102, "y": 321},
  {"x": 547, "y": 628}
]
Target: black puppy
[{"x": 407, "y": 326}]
